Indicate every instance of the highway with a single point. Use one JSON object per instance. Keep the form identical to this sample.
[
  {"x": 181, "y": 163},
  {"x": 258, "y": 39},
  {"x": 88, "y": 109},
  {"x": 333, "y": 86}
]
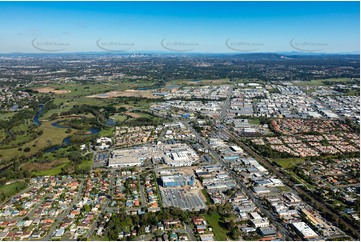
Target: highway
[{"x": 226, "y": 105}]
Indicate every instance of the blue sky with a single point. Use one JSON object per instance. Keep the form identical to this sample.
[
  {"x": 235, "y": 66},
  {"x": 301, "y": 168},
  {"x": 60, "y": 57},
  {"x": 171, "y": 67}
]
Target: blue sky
[{"x": 179, "y": 26}]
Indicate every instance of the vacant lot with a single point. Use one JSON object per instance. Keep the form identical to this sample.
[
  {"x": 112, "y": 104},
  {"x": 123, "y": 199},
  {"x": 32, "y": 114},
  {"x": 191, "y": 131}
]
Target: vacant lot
[
  {"x": 188, "y": 82},
  {"x": 51, "y": 90},
  {"x": 320, "y": 82},
  {"x": 133, "y": 115},
  {"x": 48, "y": 168},
  {"x": 126, "y": 93},
  {"x": 216, "y": 222},
  {"x": 287, "y": 163},
  {"x": 13, "y": 188},
  {"x": 51, "y": 172}
]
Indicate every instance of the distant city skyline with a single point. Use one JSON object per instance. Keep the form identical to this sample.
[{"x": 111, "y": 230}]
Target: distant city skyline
[{"x": 180, "y": 27}]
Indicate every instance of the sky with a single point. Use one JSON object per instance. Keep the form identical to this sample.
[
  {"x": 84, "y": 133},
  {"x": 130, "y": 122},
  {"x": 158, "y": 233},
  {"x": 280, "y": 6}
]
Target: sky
[{"x": 214, "y": 27}]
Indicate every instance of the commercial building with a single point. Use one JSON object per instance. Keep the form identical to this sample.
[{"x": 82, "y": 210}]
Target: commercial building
[
  {"x": 126, "y": 158},
  {"x": 177, "y": 180},
  {"x": 260, "y": 222},
  {"x": 303, "y": 230},
  {"x": 178, "y": 155},
  {"x": 268, "y": 232}
]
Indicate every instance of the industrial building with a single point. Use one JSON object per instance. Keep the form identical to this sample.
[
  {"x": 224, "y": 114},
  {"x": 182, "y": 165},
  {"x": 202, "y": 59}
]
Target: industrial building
[
  {"x": 126, "y": 158},
  {"x": 304, "y": 231},
  {"x": 177, "y": 154},
  {"x": 177, "y": 180}
]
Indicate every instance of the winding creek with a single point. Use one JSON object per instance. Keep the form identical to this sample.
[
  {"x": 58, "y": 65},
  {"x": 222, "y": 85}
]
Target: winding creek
[{"x": 66, "y": 141}]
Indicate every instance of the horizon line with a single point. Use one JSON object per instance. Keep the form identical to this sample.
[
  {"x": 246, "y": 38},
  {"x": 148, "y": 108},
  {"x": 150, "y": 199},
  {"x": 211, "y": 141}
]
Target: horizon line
[{"x": 357, "y": 52}]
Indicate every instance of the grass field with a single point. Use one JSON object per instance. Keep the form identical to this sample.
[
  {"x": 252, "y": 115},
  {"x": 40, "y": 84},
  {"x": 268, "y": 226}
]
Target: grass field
[
  {"x": 190, "y": 82},
  {"x": 51, "y": 172},
  {"x": 214, "y": 221},
  {"x": 7, "y": 115},
  {"x": 13, "y": 188},
  {"x": 300, "y": 180},
  {"x": 51, "y": 136},
  {"x": 287, "y": 163},
  {"x": 86, "y": 165},
  {"x": 206, "y": 195},
  {"x": 109, "y": 132},
  {"x": 22, "y": 134},
  {"x": 353, "y": 93},
  {"x": 319, "y": 82},
  {"x": 254, "y": 121},
  {"x": 119, "y": 118},
  {"x": 79, "y": 89}
]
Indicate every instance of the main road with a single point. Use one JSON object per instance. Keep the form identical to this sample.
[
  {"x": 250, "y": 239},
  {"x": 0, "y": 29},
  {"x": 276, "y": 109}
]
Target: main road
[
  {"x": 320, "y": 206},
  {"x": 255, "y": 200},
  {"x": 226, "y": 104}
]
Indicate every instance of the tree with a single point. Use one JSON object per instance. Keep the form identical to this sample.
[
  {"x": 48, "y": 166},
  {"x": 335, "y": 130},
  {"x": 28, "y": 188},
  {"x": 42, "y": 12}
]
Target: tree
[
  {"x": 75, "y": 156},
  {"x": 229, "y": 192},
  {"x": 86, "y": 208},
  {"x": 54, "y": 116},
  {"x": 231, "y": 225},
  {"x": 235, "y": 233}
]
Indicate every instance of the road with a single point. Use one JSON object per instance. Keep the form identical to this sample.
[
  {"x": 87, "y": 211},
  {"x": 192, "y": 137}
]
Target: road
[
  {"x": 240, "y": 183},
  {"x": 186, "y": 230},
  {"x": 261, "y": 207},
  {"x": 298, "y": 190},
  {"x": 95, "y": 223},
  {"x": 61, "y": 217},
  {"x": 17, "y": 194},
  {"x": 142, "y": 197},
  {"x": 226, "y": 104},
  {"x": 202, "y": 141}
]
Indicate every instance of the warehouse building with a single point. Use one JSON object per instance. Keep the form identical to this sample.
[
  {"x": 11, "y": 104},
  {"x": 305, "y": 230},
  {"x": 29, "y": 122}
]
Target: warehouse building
[
  {"x": 126, "y": 158},
  {"x": 304, "y": 231},
  {"x": 177, "y": 180}
]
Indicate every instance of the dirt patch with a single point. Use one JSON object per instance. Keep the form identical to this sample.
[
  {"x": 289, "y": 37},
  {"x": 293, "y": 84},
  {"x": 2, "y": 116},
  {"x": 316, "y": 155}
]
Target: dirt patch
[
  {"x": 216, "y": 81},
  {"x": 51, "y": 90},
  {"x": 126, "y": 93},
  {"x": 125, "y": 106},
  {"x": 41, "y": 166},
  {"x": 133, "y": 115}
]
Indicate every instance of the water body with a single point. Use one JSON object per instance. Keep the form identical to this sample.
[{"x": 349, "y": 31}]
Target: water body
[
  {"x": 94, "y": 130},
  {"x": 67, "y": 140},
  {"x": 172, "y": 86},
  {"x": 9, "y": 133},
  {"x": 146, "y": 88},
  {"x": 57, "y": 125},
  {"x": 37, "y": 115},
  {"x": 111, "y": 122},
  {"x": 157, "y": 86}
]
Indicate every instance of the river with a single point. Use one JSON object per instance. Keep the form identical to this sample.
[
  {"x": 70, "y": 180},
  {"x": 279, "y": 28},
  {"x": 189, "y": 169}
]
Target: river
[
  {"x": 37, "y": 115},
  {"x": 66, "y": 141}
]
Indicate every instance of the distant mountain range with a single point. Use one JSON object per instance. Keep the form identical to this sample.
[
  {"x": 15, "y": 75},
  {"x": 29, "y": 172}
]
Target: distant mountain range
[{"x": 148, "y": 53}]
